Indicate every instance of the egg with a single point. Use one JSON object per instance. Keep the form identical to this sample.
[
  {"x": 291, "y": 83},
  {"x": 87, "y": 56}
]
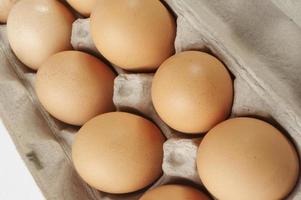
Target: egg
[
  {"x": 133, "y": 34},
  {"x": 38, "y": 29},
  {"x": 174, "y": 192},
  {"x": 5, "y": 7},
  {"x": 84, "y": 7},
  {"x": 247, "y": 159},
  {"x": 118, "y": 152},
  {"x": 74, "y": 87},
  {"x": 192, "y": 91}
]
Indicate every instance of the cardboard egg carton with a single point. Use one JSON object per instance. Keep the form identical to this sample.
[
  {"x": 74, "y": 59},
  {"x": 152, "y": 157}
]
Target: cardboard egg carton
[{"x": 260, "y": 43}]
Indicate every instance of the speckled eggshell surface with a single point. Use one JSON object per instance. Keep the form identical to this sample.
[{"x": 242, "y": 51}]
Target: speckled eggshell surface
[
  {"x": 74, "y": 87},
  {"x": 118, "y": 152},
  {"x": 5, "y": 7},
  {"x": 174, "y": 192},
  {"x": 84, "y": 7},
  {"x": 38, "y": 29},
  {"x": 247, "y": 159},
  {"x": 192, "y": 91},
  {"x": 133, "y": 34}
]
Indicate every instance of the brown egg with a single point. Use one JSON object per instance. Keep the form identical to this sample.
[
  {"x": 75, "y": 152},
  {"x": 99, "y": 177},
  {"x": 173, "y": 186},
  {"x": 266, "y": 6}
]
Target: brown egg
[
  {"x": 74, "y": 87},
  {"x": 118, "y": 152},
  {"x": 135, "y": 35},
  {"x": 38, "y": 29},
  {"x": 174, "y": 192},
  {"x": 247, "y": 159},
  {"x": 5, "y": 7},
  {"x": 84, "y": 7},
  {"x": 192, "y": 91}
]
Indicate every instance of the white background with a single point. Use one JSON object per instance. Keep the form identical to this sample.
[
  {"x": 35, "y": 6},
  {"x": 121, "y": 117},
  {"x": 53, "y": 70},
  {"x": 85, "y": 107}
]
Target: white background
[{"x": 16, "y": 183}]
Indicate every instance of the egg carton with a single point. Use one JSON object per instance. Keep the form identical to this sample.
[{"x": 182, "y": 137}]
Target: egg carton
[{"x": 259, "y": 41}]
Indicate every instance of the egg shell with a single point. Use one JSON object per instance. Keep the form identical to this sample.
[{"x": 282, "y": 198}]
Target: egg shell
[
  {"x": 5, "y": 7},
  {"x": 135, "y": 35},
  {"x": 118, "y": 152},
  {"x": 74, "y": 87},
  {"x": 192, "y": 91},
  {"x": 247, "y": 159},
  {"x": 174, "y": 192},
  {"x": 38, "y": 29},
  {"x": 84, "y": 7}
]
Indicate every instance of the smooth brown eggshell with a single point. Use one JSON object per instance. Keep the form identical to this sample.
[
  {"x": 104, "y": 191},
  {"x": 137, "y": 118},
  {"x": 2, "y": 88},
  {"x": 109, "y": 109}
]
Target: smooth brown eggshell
[
  {"x": 5, "y": 7},
  {"x": 38, "y": 29},
  {"x": 74, "y": 87},
  {"x": 247, "y": 159},
  {"x": 118, "y": 152},
  {"x": 84, "y": 7},
  {"x": 133, "y": 34},
  {"x": 192, "y": 91},
  {"x": 174, "y": 192}
]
